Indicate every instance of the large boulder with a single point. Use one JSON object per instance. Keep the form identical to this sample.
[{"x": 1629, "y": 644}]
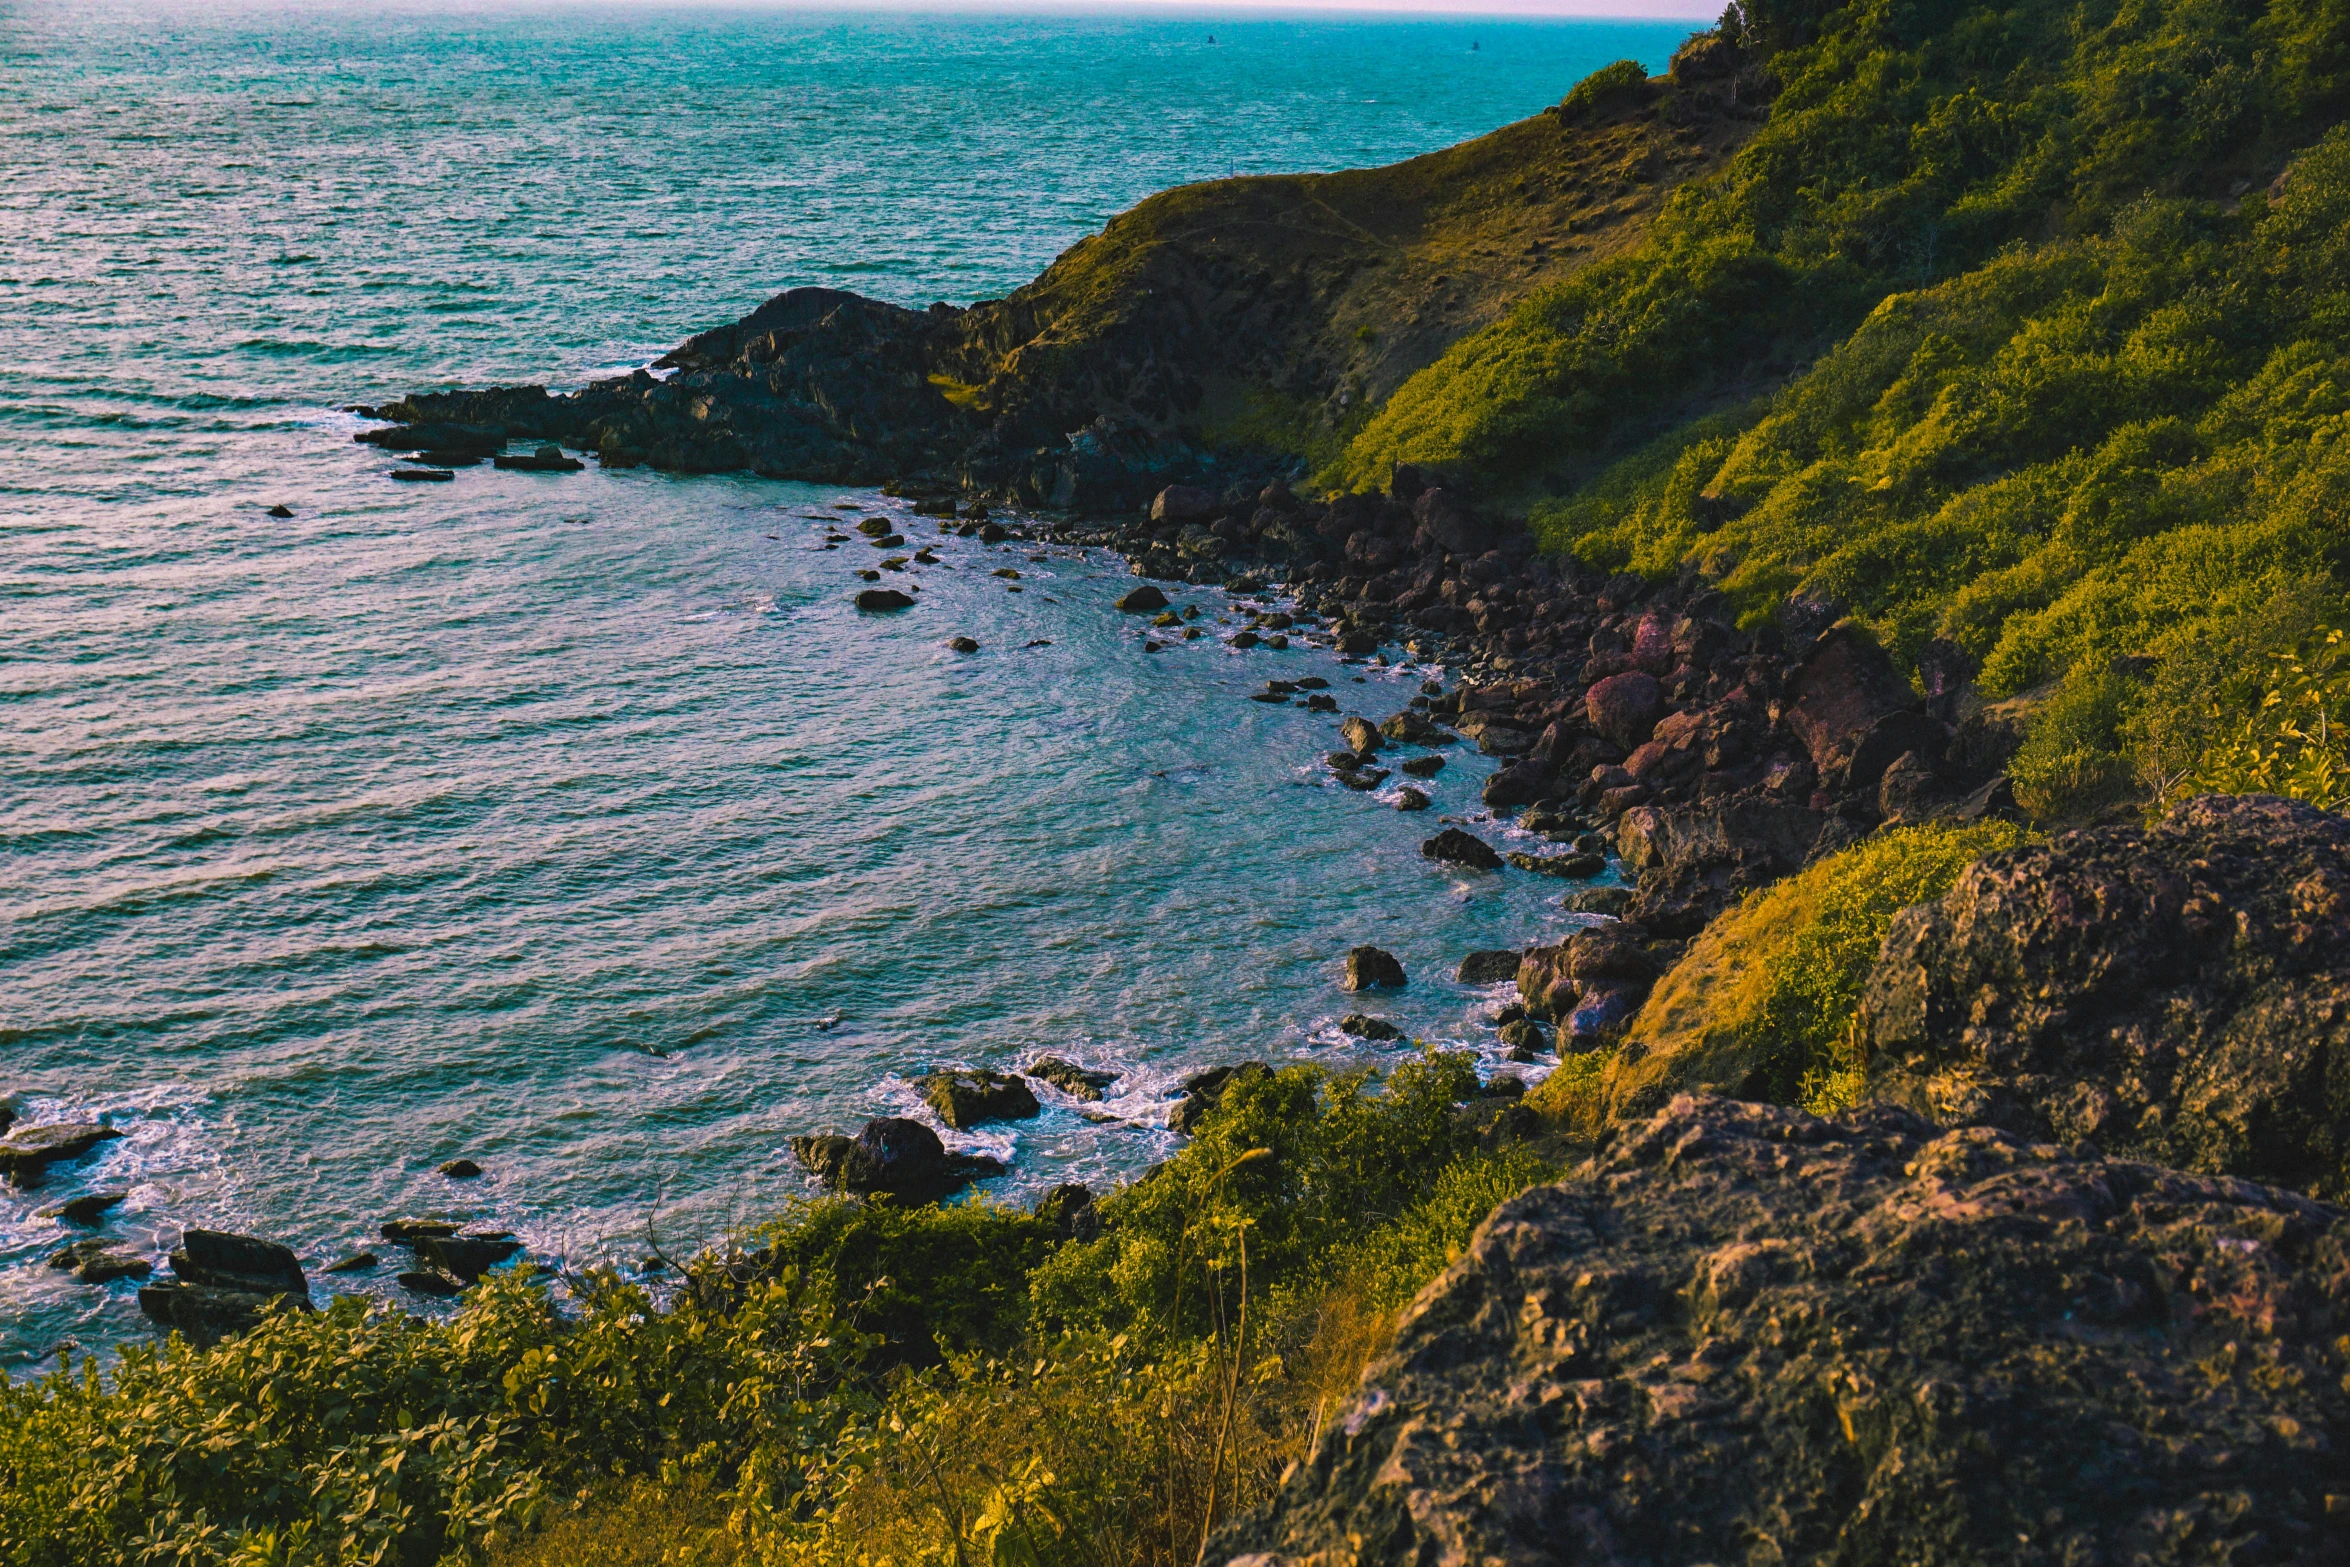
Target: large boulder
[
  {"x": 892, "y": 1157},
  {"x": 1853, "y": 711},
  {"x": 1625, "y": 707},
  {"x": 1455, "y": 847},
  {"x": 222, "y": 1283},
  {"x": 1695, "y": 861},
  {"x": 1592, "y": 984},
  {"x": 1371, "y": 968},
  {"x": 2180, "y": 992},
  {"x": 1182, "y": 503},
  {"x": 967, "y": 1097},
  {"x": 27, "y": 1153},
  {"x": 1746, "y": 1335}
]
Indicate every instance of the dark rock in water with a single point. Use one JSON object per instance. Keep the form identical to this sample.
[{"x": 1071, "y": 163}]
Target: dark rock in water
[
  {"x": 7, "y": 1119},
  {"x": 967, "y": 1097},
  {"x": 222, "y": 1284},
  {"x": 357, "y": 1262},
  {"x": 1324, "y": 704},
  {"x": 883, "y": 599},
  {"x": 461, "y": 1169},
  {"x": 1572, "y": 865},
  {"x": 1203, "y": 1091},
  {"x": 424, "y": 476},
  {"x": 993, "y": 533},
  {"x": 1423, "y": 766},
  {"x": 1245, "y": 639},
  {"x": 547, "y": 459},
  {"x": 465, "y": 1257},
  {"x": 1363, "y": 779},
  {"x": 423, "y": 1281},
  {"x": 891, "y": 541},
  {"x": 1610, "y": 901},
  {"x": 1360, "y": 737},
  {"x": 1368, "y": 968},
  {"x": 876, "y": 528},
  {"x": 1410, "y": 799},
  {"x": 892, "y": 1157},
  {"x": 86, "y": 1210},
  {"x": 1525, "y": 1035},
  {"x": 1359, "y": 1026},
  {"x": 1412, "y": 727},
  {"x": 450, "y": 459},
  {"x": 408, "y": 1231},
  {"x": 1551, "y": 980},
  {"x": 1488, "y": 967},
  {"x": 1520, "y": 783},
  {"x": 1739, "y": 1322},
  {"x": 1311, "y": 683},
  {"x": 97, "y": 1261},
  {"x": 1070, "y": 1078},
  {"x": 1455, "y": 847},
  {"x": 1069, "y": 1209},
  {"x": 2178, "y": 992},
  {"x": 281, "y": 512},
  {"x": 27, "y": 1152},
  {"x": 963, "y": 645},
  {"x": 1145, "y": 600},
  {"x": 1273, "y": 697}
]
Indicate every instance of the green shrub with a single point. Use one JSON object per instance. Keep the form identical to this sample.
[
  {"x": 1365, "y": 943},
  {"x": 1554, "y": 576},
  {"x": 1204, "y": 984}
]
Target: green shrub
[
  {"x": 2296, "y": 740},
  {"x": 1762, "y": 1003},
  {"x": 1605, "y": 89},
  {"x": 2072, "y": 763}
]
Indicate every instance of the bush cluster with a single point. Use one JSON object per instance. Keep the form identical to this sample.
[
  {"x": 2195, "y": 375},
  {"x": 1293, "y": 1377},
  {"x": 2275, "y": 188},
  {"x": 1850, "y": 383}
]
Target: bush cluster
[{"x": 858, "y": 1383}]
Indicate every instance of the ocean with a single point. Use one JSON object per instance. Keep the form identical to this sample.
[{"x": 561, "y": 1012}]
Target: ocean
[{"x": 577, "y": 824}]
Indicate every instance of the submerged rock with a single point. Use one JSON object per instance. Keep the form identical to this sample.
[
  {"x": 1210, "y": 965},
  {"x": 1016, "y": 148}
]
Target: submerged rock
[
  {"x": 86, "y": 1209},
  {"x": 1368, "y": 968},
  {"x": 1488, "y": 966},
  {"x": 97, "y": 1261},
  {"x": 1410, "y": 799},
  {"x": 879, "y": 599},
  {"x": 466, "y": 1257},
  {"x": 1858, "y": 1340},
  {"x": 2178, "y": 992},
  {"x": 966, "y": 1097},
  {"x": 1360, "y": 1026},
  {"x": 461, "y": 1169}
]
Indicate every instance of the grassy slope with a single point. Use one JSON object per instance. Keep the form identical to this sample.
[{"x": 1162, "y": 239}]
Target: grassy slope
[{"x": 1281, "y": 307}]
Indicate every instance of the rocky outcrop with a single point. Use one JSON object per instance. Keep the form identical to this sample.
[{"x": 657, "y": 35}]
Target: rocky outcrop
[
  {"x": 2180, "y": 992},
  {"x": 967, "y": 1097},
  {"x": 1591, "y": 984},
  {"x": 27, "y": 1153},
  {"x": 222, "y": 1283},
  {"x": 1745, "y": 1334},
  {"x": 1455, "y": 847},
  {"x": 1372, "y": 968},
  {"x": 1070, "y": 1078},
  {"x": 892, "y": 1157}
]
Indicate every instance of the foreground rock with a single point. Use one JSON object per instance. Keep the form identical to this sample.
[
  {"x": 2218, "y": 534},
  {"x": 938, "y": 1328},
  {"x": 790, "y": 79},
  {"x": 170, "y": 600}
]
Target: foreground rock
[
  {"x": 892, "y": 1157},
  {"x": 2179, "y": 992},
  {"x": 1748, "y": 1335},
  {"x": 221, "y": 1284}
]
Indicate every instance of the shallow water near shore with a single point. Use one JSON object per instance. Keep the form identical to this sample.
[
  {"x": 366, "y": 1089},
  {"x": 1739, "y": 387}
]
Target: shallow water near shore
[{"x": 578, "y": 824}]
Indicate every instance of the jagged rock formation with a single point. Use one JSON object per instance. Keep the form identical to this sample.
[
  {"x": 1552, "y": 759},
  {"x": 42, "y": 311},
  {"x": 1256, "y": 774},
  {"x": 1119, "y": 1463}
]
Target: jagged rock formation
[
  {"x": 1245, "y": 321},
  {"x": 2179, "y": 992},
  {"x": 1748, "y": 1335}
]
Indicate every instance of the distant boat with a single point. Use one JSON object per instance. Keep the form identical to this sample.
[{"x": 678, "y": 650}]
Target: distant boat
[
  {"x": 1211, "y": 38},
  {"x": 1472, "y": 45}
]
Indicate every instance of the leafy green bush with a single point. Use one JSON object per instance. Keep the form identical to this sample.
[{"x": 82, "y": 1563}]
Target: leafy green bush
[
  {"x": 2073, "y": 763},
  {"x": 1607, "y": 88},
  {"x": 2296, "y": 741}
]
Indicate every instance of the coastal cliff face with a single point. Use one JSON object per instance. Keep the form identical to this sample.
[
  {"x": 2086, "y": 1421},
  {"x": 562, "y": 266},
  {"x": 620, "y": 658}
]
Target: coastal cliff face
[{"x": 1232, "y": 327}]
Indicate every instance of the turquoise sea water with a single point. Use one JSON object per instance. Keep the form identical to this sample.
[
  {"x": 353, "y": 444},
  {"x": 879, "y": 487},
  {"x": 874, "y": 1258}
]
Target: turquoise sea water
[{"x": 553, "y": 821}]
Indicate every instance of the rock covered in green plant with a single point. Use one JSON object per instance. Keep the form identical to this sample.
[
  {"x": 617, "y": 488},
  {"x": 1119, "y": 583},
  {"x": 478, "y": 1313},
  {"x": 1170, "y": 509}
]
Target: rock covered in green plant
[
  {"x": 2178, "y": 992},
  {"x": 969, "y": 1096},
  {"x": 1859, "y": 1340}
]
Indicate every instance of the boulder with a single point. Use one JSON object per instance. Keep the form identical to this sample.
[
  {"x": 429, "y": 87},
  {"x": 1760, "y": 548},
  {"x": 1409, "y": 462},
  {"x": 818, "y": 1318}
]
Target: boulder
[
  {"x": 1181, "y": 503},
  {"x": 2179, "y": 992},
  {"x": 1520, "y": 783},
  {"x": 1695, "y": 861},
  {"x": 1488, "y": 967},
  {"x": 1360, "y": 737},
  {"x": 425, "y": 1281},
  {"x": 356, "y": 1262},
  {"x": 1413, "y": 727},
  {"x": 408, "y": 1231},
  {"x": 466, "y": 1257},
  {"x": 1358, "y": 1026},
  {"x": 1368, "y": 968},
  {"x": 87, "y": 1209},
  {"x": 1070, "y": 1078},
  {"x": 1423, "y": 766},
  {"x": 1861, "y": 1340},
  {"x": 1552, "y": 980},
  {"x": 27, "y": 1152},
  {"x": 98, "y": 1261},
  {"x": 1069, "y": 1209},
  {"x": 1569, "y": 865},
  {"x": 1455, "y": 847},
  {"x": 1498, "y": 737},
  {"x": 1410, "y": 799},
  {"x": 963, "y": 645},
  {"x": 222, "y": 1284},
  {"x": 461, "y": 1170},
  {"x": 892, "y": 1157},
  {"x": 966, "y": 1097},
  {"x": 1525, "y": 1038},
  {"x": 1852, "y": 709},
  {"x": 1145, "y": 600},
  {"x": 884, "y": 599},
  {"x": 1203, "y": 1091},
  {"x": 1625, "y": 707},
  {"x": 1610, "y": 901}
]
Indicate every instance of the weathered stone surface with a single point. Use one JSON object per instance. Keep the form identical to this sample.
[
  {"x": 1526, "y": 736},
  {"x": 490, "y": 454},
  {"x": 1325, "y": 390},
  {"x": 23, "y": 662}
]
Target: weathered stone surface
[
  {"x": 1694, "y": 861},
  {"x": 1489, "y": 966},
  {"x": 1360, "y": 1026},
  {"x": 1625, "y": 707},
  {"x": 1070, "y": 1078},
  {"x": 967, "y": 1097},
  {"x": 1182, "y": 503},
  {"x": 27, "y": 1152},
  {"x": 1568, "y": 865},
  {"x": 1455, "y": 847},
  {"x": 87, "y": 1209},
  {"x": 222, "y": 1284},
  {"x": 879, "y": 599},
  {"x": 1858, "y": 1341},
  {"x": 2180, "y": 992},
  {"x": 1360, "y": 737},
  {"x": 892, "y": 1157},
  {"x": 466, "y": 1257},
  {"x": 1423, "y": 766},
  {"x": 100, "y": 1261},
  {"x": 1413, "y": 727},
  {"x": 1368, "y": 968},
  {"x": 1145, "y": 600},
  {"x": 1552, "y": 981},
  {"x": 1853, "y": 711}
]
